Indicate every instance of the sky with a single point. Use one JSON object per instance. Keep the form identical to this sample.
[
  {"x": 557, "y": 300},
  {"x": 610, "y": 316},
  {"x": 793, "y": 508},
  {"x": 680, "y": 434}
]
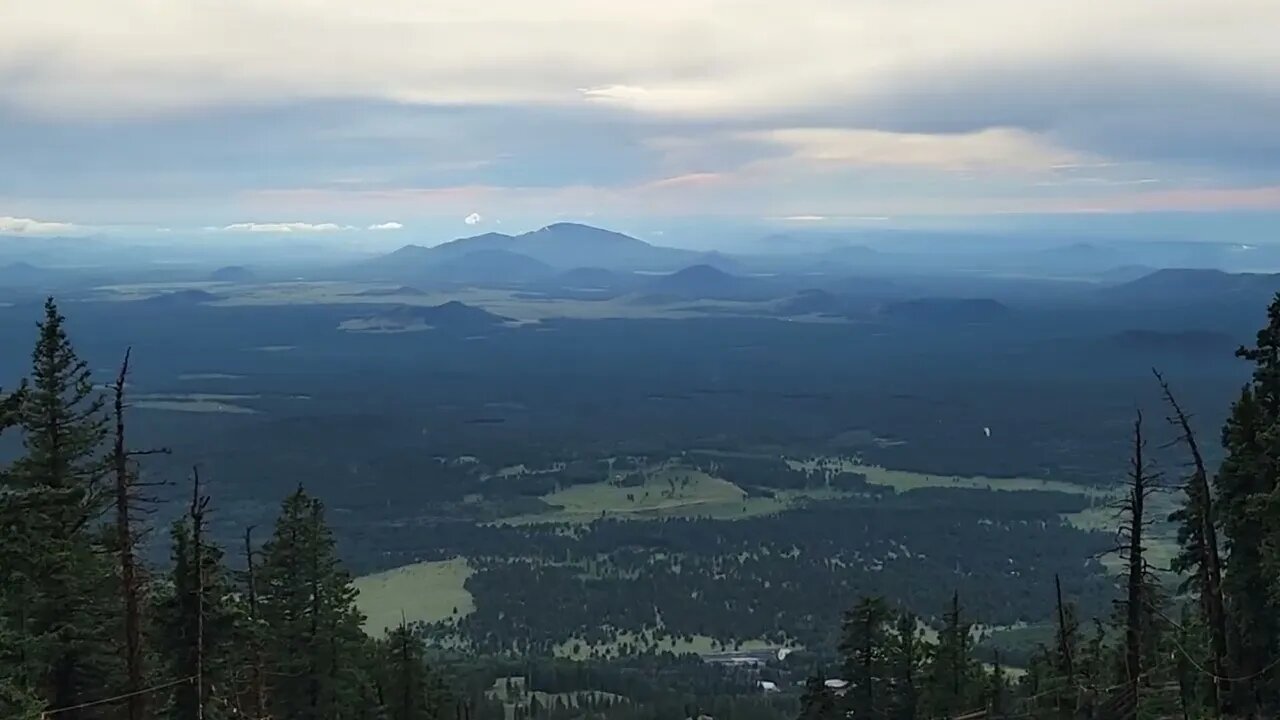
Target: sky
[{"x": 401, "y": 119}]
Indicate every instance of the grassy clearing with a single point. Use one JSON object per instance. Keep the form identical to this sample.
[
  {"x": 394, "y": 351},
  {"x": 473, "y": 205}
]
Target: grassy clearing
[
  {"x": 695, "y": 645},
  {"x": 194, "y": 406},
  {"x": 423, "y": 592},
  {"x": 1100, "y": 517},
  {"x": 196, "y": 402},
  {"x": 513, "y": 692},
  {"x": 905, "y": 480},
  {"x": 209, "y": 376},
  {"x": 669, "y": 490}
]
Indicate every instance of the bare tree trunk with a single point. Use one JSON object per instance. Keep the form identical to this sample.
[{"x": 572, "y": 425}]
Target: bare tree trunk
[
  {"x": 130, "y": 585},
  {"x": 1064, "y": 642},
  {"x": 258, "y": 674},
  {"x": 198, "y": 506},
  {"x": 1136, "y": 506},
  {"x": 1211, "y": 601}
]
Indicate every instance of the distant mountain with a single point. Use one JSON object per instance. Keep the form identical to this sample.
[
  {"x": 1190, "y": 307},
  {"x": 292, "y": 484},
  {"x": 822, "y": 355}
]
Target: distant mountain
[
  {"x": 719, "y": 261},
  {"x": 704, "y": 282},
  {"x": 489, "y": 266},
  {"x": 452, "y": 315},
  {"x": 180, "y": 298},
  {"x": 25, "y": 275},
  {"x": 233, "y": 274},
  {"x": 589, "y": 278},
  {"x": 387, "y": 292},
  {"x": 947, "y": 310},
  {"x": 562, "y": 245},
  {"x": 1176, "y": 286}
]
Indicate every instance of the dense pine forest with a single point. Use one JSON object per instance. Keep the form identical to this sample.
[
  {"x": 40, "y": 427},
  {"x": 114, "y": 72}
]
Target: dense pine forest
[{"x": 91, "y": 628}]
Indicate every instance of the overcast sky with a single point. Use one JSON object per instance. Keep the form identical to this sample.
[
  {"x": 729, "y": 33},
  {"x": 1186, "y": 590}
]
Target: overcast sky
[{"x": 386, "y": 116}]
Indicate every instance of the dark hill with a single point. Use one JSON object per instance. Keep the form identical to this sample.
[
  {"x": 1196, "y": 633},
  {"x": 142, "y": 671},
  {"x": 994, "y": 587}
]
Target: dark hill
[
  {"x": 21, "y": 274},
  {"x": 698, "y": 281},
  {"x": 385, "y": 292},
  {"x": 593, "y": 278},
  {"x": 490, "y": 267},
  {"x": 452, "y": 315},
  {"x": 1195, "y": 285},
  {"x": 947, "y": 310},
  {"x": 814, "y": 302},
  {"x": 233, "y": 273}
]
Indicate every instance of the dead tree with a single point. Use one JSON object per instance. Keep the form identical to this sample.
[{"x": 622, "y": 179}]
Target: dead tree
[
  {"x": 196, "y": 512},
  {"x": 1200, "y": 519},
  {"x": 258, "y": 688},
  {"x": 1143, "y": 482},
  {"x": 129, "y": 504}
]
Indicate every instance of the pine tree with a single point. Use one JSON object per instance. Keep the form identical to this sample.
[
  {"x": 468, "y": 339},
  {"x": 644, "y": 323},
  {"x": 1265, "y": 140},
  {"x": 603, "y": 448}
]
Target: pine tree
[
  {"x": 953, "y": 679},
  {"x": 817, "y": 702},
  {"x": 196, "y": 619},
  {"x": 997, "y": 691},
  {"x": 908, "y": 653},
  {"x": 18, "y": 703},
  {"x": 308, "y": 601},
  {"x": 410, "y": 690},
  {"x": 863, "y": 645},
  {"x": 1247, "y": 477},
  {"x": 57, "y": 589}
]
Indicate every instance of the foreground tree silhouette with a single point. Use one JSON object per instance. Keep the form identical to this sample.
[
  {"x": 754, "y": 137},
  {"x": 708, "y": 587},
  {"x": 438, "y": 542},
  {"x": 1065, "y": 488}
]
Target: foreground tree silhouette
[
  {"x": 1246, "y": 483},
  {"x": 56, "y": 584},
  {"x": 308, "y": 602}
]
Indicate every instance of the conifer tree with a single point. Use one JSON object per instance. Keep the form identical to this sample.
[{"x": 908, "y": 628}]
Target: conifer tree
[
  {"x": 56, "y": 586},
  {"x": 954, "y": 680},
  {"x": 1250, "y": 524},
  {"x": 817, "y": 702},
  {"x": 908, "y": 653},
  {"x": 196, "y": 619},
  {"x": 308, "y": 601},
  {"x": 997, "y": 691},
  {"x": 410, "y": 690},
  {"x": 863, "y": 645}
]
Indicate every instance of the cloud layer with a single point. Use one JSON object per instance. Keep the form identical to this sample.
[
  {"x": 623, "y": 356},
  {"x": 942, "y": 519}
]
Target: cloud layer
[
  {"x": 137, "y": 110},
  {"x": 27, "y": 226}
]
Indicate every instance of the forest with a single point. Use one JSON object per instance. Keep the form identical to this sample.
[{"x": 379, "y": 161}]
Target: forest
[{"x": 93, "y": 625}]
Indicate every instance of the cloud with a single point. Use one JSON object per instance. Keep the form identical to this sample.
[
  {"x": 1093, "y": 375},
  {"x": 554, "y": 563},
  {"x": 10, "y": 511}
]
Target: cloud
[
  {"x": 473, "y": 219},
  {"x": 673, "y": 57},
  {"x": 387, "y": 226},
  {"x": 994, "y": 149},
  {"x": 27, "y": 226},
  {"x": 689, "y": 104},
  {"x": 285, "y": 227}
]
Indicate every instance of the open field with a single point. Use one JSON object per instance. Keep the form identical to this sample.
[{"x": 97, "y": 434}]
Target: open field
[
  {"x": 904, "y": 480},
  {"x": 514, "y": 693},
  {"x": 194, "y": 406},
  {"x": 519, "y": 306},
  {"x": 669, "y": 490},
  {"x": 695, "y": 645},
  {"x": 209, "y": 376},
  {"x": 423, "y": 592},
  {"x": 1101, "y": 517}
]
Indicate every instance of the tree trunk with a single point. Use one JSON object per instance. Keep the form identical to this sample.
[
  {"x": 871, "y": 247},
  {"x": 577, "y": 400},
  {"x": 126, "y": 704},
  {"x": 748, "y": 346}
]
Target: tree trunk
[{"x": 130, "y": 584}]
